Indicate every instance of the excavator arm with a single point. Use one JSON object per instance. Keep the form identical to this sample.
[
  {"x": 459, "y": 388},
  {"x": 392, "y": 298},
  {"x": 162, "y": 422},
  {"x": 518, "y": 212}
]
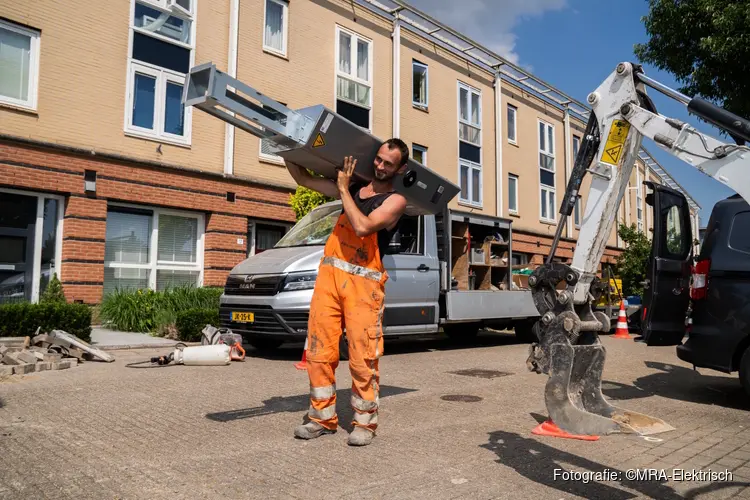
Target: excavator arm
[{"x": 569, "y": 350}]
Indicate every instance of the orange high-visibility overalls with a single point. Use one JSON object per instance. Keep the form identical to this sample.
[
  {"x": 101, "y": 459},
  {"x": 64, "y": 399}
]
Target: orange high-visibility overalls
[{"x": 349, "y": 292}]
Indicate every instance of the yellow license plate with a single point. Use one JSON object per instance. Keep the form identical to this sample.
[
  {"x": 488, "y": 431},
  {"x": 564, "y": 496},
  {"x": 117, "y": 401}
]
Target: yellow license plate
[{"x": 243, "y": 317}]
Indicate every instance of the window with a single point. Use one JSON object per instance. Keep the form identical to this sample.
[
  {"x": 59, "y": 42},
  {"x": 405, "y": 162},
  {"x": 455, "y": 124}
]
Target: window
[
  {"x": 419, "y": 153},
  {"x": 577, "y": 212},
  {"x": 547, "y": 171},
  {"x": 161, "y": 53},
  {"x": 152, "y": 248},
  {"x": 262, "y": 236},
  {"x": 354, "y": 77},
  {"x": 419, "y": 84},
  {"x": 276, "y": 27},
  {"x": 19, "y": 65},
  {"x": 512, "y": 123},
  {"x": 638, "y": 199},
  {"x": 576, "y": 147},
  {"x": 512, "y": 193},
  {"x": 469, "y": 145}
]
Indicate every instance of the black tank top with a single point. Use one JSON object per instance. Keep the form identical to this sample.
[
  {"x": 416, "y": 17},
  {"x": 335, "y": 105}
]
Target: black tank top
[{"x": 367, "y": 206}]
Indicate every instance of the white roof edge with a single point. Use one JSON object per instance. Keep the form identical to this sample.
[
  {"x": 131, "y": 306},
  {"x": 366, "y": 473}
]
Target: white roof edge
[{"x": 419, "y": 23}]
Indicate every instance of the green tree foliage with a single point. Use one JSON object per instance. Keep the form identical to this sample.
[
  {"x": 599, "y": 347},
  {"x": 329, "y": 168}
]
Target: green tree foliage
[
  {"x": 705, "y": 44},
  {"x": 303, "y": 200},
  {"x": 632, "y": 262}
]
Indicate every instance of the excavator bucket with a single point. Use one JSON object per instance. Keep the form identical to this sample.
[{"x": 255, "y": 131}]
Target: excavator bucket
[
  {"x": 574, "y": 398},
  {"x": 570, "y": 353}
]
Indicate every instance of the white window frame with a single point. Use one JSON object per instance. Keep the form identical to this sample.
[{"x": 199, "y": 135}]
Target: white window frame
[
  {"x": 285, "y": 28},
  {"x": 514, "y": 177},
  {"x": 154, "y": 264},
  {"x": 464, "y": 162},
  {"x": 514, "y": 110},
  {"x": 548, "y": 150},
  {"x": 38, "y": 243},
  {"x": 370, "y": 83},
  {"x": 162, "y": 75},
  {"x": 469, "y": 188},
  {"x": 253, "y": 226},
  {"x": 418, "y": 104},
  {"x": 422, "y": 149},
  {"x": 550, "y": 219},
  {"x": 471, "y": 90},
  {"x": 34, "y": 54}
]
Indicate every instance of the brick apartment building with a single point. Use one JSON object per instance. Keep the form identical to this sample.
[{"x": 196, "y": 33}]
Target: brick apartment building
[{"x": 107, "y": 181}]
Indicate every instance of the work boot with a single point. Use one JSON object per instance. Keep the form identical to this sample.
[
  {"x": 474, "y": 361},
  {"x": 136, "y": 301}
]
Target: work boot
[
  {"x": 311, "y": 430},
  {"x": 361, "y": 436}
]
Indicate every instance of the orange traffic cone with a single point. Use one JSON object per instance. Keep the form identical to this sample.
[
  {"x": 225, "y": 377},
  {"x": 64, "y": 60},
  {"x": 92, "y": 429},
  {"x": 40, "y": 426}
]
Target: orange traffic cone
[
  {"x": 302, "y": 365},
  {"x": 549, "y": 428},
  {"x": 622, "y": 323}
]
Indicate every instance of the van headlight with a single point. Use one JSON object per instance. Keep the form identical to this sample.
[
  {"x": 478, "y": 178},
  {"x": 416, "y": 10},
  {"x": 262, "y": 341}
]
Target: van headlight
[{"x": 302, "y": 281}]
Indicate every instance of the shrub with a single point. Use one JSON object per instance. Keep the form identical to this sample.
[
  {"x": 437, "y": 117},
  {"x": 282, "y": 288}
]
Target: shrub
[
  {"x": 20, "y": 320},
  {"x": 304, "y": 199},
  {"x": 190, "y": 323},
  {"x": 53, "y": 293},
  {"x": 154, "y": 312}
]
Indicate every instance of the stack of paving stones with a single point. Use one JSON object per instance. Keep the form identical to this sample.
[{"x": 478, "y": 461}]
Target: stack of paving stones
[{"x": 57, "y": 350}]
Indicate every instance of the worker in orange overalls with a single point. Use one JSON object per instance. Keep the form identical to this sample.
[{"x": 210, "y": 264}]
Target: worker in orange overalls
[{"x": 349, "y": 291}]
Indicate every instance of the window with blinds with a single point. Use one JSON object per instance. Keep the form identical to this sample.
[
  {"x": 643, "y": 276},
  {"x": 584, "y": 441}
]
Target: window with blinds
[{"x": 151, "y": 249}]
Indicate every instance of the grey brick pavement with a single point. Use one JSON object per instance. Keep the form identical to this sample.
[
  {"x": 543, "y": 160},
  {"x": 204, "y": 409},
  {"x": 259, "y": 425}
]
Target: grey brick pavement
[{"x": 107, "y": 431}]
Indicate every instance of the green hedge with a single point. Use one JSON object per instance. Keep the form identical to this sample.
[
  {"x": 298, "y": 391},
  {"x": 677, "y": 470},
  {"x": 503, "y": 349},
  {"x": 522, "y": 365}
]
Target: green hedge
[
  {"x": 191, "y": 323},
  {"x": 151, "y": 311},
  {"x": 20, "y": 320}
]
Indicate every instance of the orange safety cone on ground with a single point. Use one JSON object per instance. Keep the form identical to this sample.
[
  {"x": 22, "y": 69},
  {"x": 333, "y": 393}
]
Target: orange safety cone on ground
[
  {"x": 549, "y": 428},
  {"x": 622, "y": 323},
  {"x": 302, "y": 365}
]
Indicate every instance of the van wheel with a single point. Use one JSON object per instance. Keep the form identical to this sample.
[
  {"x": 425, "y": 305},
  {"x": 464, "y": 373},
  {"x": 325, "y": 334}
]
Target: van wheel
[
  {"x": 262, "y": 344},
  {"x": 745, "y": 371},
  {"x": 527, "y": 330}
]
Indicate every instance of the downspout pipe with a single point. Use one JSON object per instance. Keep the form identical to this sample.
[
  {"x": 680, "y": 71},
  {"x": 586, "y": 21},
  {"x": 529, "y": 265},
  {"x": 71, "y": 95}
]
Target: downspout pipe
[
  {"x": 396, "y": 36},
  {"x": 234, "y": 15},
  {"x": 499, "y": 142}
]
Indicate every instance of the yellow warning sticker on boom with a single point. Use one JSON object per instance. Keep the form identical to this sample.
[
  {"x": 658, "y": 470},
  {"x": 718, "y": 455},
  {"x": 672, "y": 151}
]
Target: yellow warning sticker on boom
[
  {"x": 615, "y": 142},
  {"x": 319, "y": 141}
]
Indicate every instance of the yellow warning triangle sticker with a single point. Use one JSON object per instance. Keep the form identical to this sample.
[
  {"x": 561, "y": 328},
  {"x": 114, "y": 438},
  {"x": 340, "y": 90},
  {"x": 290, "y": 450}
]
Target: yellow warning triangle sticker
[
  {"x": 614, "y": 153},
  {"x": 319, "y": 141}
]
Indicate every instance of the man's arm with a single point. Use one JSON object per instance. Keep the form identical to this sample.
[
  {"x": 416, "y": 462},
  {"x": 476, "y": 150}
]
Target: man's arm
[
  {"x": 319, "y": 184},
  {"x": 385, "y": 216}
]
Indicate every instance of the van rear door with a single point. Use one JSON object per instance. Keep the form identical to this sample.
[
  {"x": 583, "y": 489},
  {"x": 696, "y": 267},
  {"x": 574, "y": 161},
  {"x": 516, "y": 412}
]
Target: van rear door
[{"x": 667, "y": 291}]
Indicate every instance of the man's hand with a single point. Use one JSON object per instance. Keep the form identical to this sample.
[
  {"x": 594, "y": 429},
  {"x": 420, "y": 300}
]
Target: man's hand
[{"x": 345, "y": 174}]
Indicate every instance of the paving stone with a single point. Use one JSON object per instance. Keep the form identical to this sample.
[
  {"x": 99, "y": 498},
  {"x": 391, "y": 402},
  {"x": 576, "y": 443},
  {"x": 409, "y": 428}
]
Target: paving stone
[
  {"x": 42, "y": 366},
  {"x": 24, "y": 369},
  {"x": 740, "y": 455},
  {"x": 26, "y": 357},
  {"x": 6, "y": 370},
  {"x": 52, "y": 357}
]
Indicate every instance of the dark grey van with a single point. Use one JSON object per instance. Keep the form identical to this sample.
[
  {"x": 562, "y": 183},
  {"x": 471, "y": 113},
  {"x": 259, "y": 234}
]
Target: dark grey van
[{"x": 704, "y": 298}]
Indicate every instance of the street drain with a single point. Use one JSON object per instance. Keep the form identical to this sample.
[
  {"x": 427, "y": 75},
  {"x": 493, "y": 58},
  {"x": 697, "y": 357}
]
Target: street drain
[
  {"x": 475, "y": 372},
  {"x": 461, "y": 398}
]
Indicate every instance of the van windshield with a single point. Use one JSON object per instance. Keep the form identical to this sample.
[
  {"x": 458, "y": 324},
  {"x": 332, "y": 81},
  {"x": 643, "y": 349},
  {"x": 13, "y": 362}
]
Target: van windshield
[{"x": 313, "y": 229}]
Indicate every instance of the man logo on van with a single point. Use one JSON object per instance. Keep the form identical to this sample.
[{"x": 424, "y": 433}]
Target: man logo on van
[{"x": 248, "y": 285}]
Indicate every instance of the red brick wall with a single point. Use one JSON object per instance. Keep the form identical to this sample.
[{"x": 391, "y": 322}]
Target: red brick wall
[{"x": 84, "y": 227}]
